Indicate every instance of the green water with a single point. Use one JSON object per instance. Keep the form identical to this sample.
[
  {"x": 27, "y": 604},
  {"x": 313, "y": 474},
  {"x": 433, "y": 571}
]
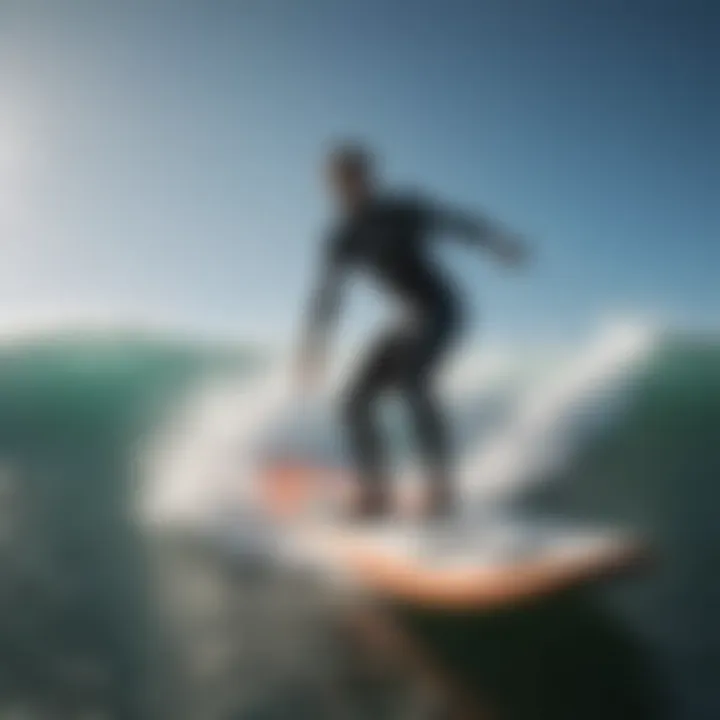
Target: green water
[
  {"x": 75, "y": 413},
  {"x": 73, "y": 416}
]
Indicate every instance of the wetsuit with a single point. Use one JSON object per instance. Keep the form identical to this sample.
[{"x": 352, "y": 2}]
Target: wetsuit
[{"x": 388, "y": 239}]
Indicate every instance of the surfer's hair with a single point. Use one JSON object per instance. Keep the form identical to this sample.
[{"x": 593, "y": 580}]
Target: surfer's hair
[{"x": 352, "y": 157}]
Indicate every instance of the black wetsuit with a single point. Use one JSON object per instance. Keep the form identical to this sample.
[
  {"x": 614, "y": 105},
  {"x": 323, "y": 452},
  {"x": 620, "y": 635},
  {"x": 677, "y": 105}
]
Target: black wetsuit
[{"x": 388, "y": 239}]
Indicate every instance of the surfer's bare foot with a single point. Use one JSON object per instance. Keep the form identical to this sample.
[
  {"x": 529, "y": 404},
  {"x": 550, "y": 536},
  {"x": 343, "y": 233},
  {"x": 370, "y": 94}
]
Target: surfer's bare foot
[
  {"x": 439, "y": 502},
  {"x": 370, "y": 504}
]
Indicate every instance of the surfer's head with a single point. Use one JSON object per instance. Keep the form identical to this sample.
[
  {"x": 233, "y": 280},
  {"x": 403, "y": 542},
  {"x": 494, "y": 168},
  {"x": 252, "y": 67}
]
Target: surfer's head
[{"x": 351, "y": 174}]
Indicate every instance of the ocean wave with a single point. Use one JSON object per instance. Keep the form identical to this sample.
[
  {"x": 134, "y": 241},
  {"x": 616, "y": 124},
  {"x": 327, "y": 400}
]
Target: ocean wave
[{"x": 518, "y": 417}]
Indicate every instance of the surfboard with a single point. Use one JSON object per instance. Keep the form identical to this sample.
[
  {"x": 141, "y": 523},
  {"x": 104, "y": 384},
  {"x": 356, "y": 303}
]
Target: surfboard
[
  {"x": 462, "y": 568},
  {"x": 467, "y": 563}
]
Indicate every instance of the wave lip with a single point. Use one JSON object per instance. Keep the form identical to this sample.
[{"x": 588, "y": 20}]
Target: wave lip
[
  {"x": 209, "y": 455},
  {"x": 559, "y": 413}
]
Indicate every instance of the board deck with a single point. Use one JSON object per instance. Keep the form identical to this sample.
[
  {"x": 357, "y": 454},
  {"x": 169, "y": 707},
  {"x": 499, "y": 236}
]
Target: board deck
[
  {"x": 468, "y": 563},
  {"x": 287, "y": 492},
  {"x": 450, "y": 567}
]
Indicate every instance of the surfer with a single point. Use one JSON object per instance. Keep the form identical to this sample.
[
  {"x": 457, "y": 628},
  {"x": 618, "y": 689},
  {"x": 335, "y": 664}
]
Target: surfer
[{"x": 386, "y": 235}]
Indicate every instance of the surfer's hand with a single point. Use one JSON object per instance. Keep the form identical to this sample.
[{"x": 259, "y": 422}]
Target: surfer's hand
[
  {"x": 513, "y": 251},
  {"x": 309, "y": 372}
]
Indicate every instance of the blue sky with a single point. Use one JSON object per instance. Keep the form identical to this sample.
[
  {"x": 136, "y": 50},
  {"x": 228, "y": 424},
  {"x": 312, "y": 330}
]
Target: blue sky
[{"x": 161, "y": 158}]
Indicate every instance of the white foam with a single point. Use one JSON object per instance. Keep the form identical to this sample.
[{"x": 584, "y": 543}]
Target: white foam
[
  {"x": 206, "y": 459},
  {"x": 537, "y": 440}
]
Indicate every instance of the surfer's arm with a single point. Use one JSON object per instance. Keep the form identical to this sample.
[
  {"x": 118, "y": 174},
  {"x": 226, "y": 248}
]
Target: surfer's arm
[
  {"x": 478, "y": 230},
  {"x": 321, "y": 315}
]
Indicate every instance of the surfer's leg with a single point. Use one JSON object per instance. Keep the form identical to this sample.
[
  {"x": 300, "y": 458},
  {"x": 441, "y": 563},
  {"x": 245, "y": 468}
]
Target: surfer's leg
[
  {"x": 360, "y": 414},
  {"x": 433, "y": 439},
  {"x": 419, "y": 368},
  {"x": 430, "y": 427}
]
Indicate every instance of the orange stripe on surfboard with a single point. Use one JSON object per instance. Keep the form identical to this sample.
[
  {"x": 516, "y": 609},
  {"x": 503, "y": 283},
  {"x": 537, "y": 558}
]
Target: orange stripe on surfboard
[
  {"x": 481, "y": 588},
  {"x": 288, "y": 491}
]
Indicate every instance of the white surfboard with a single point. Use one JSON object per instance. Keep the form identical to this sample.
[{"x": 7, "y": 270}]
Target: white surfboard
[
  {"x": 465, "y": 563},
  {"x": 453, "y": 566}
]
